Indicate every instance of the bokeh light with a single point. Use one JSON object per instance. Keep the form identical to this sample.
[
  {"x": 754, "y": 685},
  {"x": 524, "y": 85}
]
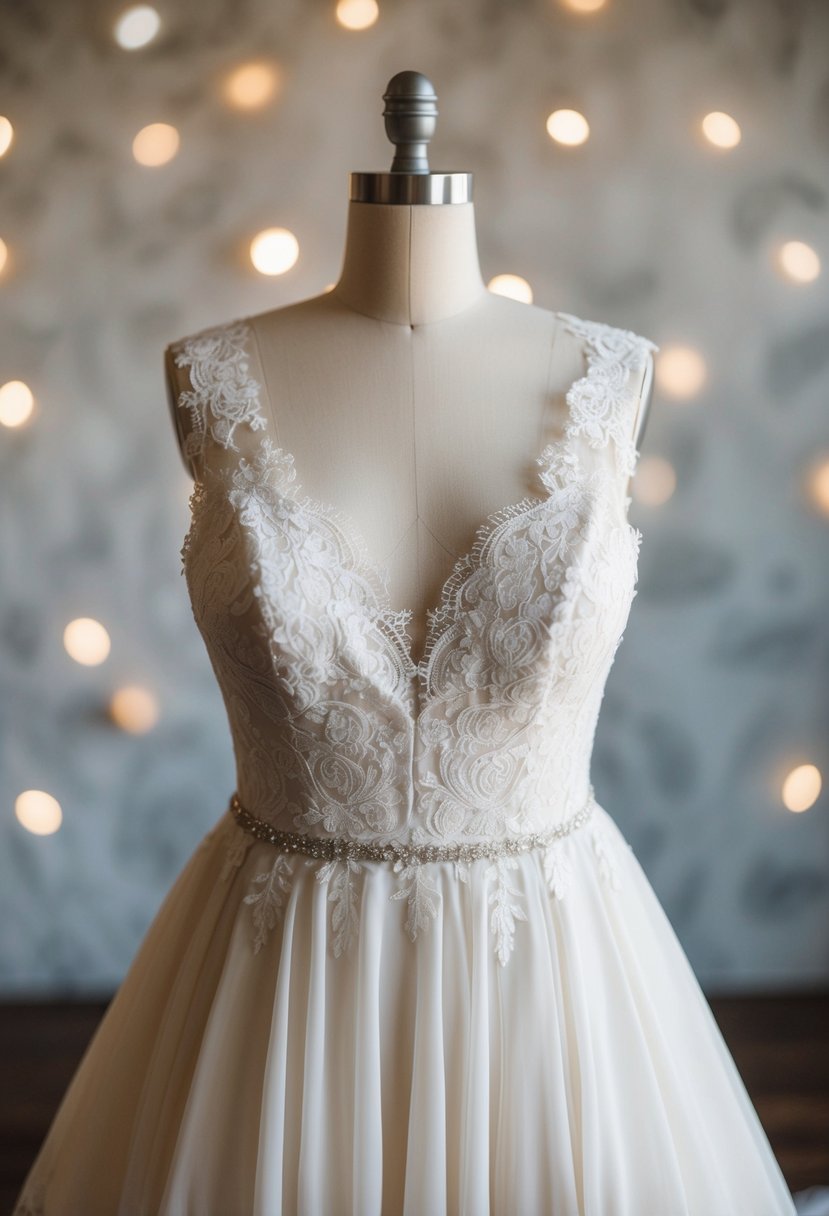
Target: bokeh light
[
  {"x": 512, "y": 286},
  {"x": 155, "y": 144},
  {"x": 817, "y": 484},
  {"x": 16, "y": 403},
  {"x": 655, "y": 481},
  {"x": 4, "y": 255},
  {"x": 680, "y": 371},
  {"x": 798, "y": 261},
  {"x": 583, "y": 6},
  {"x": 357, "y": 14},
  {"x": 86, "y": 641},
  {"x": 134, "y": 709},
  {"x": 250, "y": 86},
  {"x": 6, "y": 135},
  {"x": 136, "y": 27},
  {"x": 721, "y": 129},
  {"x": 274, "y": 251},
  {"x": 38, "y": 812},
  {"x": 801, "y": 788},
  {"x": 568, "y": 127}
]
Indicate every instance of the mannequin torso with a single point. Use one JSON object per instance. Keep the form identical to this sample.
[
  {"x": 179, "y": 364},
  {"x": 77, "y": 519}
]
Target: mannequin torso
[{"x": 412, "y": 399}]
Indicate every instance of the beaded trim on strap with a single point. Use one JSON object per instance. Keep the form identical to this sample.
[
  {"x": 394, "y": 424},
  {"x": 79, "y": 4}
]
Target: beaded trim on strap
[{"x": 342, "y": 848}]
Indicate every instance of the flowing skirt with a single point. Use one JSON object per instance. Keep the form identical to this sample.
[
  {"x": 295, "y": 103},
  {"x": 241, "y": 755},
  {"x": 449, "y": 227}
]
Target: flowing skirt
[{"x": 585, "y": 1076}]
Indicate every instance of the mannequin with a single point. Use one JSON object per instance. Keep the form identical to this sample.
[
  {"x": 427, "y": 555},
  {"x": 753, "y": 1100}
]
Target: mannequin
[{"x": 412, "y": 398}]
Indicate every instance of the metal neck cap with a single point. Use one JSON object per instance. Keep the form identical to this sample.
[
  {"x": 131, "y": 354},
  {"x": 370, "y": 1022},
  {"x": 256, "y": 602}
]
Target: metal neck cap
[{"x": 410, "y": 116}]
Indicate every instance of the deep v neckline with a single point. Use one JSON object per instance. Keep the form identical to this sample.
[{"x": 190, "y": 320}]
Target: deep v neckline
[{"x": 358, "y": 559}]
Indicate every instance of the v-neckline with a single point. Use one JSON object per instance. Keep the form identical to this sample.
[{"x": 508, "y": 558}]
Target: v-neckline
[
  {"x": 440, "y": 618},
  {"x": 394, "y": 621}
]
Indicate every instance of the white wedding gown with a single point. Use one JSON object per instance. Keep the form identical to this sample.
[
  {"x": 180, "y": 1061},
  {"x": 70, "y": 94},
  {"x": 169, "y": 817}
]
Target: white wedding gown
[{"x": 414, "y": 969}]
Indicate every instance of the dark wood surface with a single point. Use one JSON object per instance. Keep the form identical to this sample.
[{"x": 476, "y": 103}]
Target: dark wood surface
[{"x": 780, "y": 1045}]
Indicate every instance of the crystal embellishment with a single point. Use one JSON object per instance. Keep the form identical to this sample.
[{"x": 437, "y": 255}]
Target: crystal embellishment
[{"x": 341, "y": 848}]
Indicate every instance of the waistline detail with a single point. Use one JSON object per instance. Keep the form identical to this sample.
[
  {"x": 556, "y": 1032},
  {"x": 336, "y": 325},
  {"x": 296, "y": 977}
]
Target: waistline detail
[{"x": 403, "y": 855}]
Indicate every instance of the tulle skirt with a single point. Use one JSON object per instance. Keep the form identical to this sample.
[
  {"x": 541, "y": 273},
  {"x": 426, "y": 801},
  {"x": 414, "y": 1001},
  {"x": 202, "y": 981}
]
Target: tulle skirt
[{"x": 586, "y": 1077}]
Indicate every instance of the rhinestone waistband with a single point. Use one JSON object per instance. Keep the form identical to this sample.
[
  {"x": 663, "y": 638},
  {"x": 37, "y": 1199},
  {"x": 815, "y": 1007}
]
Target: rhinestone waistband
[{"x": 341, "y": 847}]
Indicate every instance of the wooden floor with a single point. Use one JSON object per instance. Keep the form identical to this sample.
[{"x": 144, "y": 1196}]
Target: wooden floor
[{"x": 780, "y": 1045}]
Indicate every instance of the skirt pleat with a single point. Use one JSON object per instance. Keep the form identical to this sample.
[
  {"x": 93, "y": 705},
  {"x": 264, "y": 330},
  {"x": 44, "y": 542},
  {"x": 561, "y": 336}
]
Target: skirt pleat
[{"x": 584, "y": 1075}]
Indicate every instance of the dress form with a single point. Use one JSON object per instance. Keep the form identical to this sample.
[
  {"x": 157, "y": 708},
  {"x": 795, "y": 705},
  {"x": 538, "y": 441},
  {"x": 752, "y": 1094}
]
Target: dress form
[{"x": 413, "y": 399}]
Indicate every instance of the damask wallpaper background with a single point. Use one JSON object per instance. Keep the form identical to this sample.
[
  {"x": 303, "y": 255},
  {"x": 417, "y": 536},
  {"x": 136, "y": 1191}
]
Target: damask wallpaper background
[{"x": 720, "y": 685}]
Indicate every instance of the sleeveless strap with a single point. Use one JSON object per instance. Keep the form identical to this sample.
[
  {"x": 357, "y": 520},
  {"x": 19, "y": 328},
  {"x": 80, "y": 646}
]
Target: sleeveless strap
[
  {"x": 604, "y": 403},
  {"x": 221, "y": 395}
]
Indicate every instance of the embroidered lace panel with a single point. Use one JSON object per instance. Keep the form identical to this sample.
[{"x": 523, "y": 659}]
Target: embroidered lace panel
[{"x": 337, "y": 732}]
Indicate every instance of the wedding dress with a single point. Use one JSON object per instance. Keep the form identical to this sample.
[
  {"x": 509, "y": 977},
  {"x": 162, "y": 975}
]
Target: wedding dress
[{"x": 414, "y": 968}]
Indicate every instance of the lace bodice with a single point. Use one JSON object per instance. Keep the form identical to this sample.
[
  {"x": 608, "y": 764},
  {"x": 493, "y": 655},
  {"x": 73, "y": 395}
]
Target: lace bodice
[{"x": 337, "y": 731}]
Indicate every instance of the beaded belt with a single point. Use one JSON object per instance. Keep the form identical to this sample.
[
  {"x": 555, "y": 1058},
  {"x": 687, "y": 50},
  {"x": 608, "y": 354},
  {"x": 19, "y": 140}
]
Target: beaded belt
[{"x": 341, "y": 847}]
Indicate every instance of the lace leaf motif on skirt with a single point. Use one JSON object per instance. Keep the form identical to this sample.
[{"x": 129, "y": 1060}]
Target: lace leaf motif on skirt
[{"x": 271, "y": 887}]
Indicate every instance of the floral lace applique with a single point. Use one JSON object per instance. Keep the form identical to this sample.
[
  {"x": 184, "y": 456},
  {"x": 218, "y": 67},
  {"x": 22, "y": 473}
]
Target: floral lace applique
[
  {"x": 599, "y": 402},
  {"x": 222, "y": 393},
  {"x": 505, "y": 912},
  {"x": 422, "y": 898},
  {"x": 558, "y": 870},
  {"x": 295, "y": 650},
  {"x": 327, "y": 708},
  {"x": 274, "y": 885},
  {"x": 608, "y": 862},
  {"x": 342, "y": 879}
]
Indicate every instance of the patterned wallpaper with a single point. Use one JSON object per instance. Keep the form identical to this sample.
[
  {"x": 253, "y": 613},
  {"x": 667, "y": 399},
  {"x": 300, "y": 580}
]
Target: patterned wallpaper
[{"x": 720, "y": 685}]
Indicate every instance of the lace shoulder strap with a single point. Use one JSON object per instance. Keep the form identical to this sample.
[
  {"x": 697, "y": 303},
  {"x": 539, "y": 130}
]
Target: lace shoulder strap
[
  {"x": 219, "y": 392},
  {"x": 604, "y": 403}
]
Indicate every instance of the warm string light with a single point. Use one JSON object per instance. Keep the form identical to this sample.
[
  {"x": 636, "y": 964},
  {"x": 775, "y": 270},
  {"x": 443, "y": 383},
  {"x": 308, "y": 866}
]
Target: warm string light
[
  {"x": 679, "y": 371},
  {"x": 155, "y": 144},
  {"x": 817, "y": 484},
  {"x": 16, "y": 403},
  {"x": 136, "y": 27},
  {"x": 721, "y": 130},
  {"x": 801, "y": 788},
  {"x": 798, "y": 262},
  {"x": 134, "y": 709},
  {"x": 512, "y": 286},
  {"x": 274, "y": 251},
  {"x": 86, "y": 641},
  {"x": 655, "y": 481},
  {"x": 38, "y": 812},
  {"x": 357, "y": 14},
  {"x": 4, "y": 255},
  {"x": 583, "y": 6},
  {"x": 250, "y": 86},
  {"x": 567, "y": 127},
  {"x": 6, "y": 135}
]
